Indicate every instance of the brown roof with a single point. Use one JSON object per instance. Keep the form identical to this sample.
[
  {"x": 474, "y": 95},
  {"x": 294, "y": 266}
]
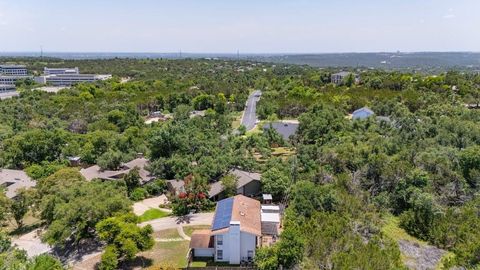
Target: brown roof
[
  {"x": 247, "y": 211},
  {"x": 96, "y": 172},
  {"x": 201, "y": 239}
]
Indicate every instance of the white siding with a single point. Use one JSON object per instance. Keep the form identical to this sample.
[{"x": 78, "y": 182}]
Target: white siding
[{"x": 203, "y": 252}]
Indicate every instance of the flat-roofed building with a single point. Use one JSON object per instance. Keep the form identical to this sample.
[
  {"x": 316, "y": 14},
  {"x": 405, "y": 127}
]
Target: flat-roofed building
[
  {"x": 13, "y": 70},
  {"x": 56, "y": 71},
  {"x": 70, "y": 79},
  {"x": 13, "y": 79},
  {"x": 7, "y": 87}
]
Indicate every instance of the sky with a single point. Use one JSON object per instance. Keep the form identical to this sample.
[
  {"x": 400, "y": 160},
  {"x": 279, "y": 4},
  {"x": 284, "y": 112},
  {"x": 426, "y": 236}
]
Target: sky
[{"x": 249, "y": 26}]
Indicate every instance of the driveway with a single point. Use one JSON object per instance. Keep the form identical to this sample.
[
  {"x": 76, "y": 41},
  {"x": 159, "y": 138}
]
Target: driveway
[
  {"x": 142, "y": 206},
  {"x": 31, "y": 243},
  {"x": 249, "y": 117},
  {"x": 174, "y": 222}
]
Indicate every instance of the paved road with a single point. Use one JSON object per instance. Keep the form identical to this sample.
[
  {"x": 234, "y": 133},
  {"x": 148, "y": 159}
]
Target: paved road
[
  {"x": 249, "y": 117},
  {"x": 174, "y": 222}
]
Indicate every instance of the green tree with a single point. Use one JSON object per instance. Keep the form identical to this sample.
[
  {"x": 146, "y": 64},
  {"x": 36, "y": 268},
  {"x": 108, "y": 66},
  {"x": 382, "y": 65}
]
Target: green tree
[
  {"x": 122, "y": 234},
  {"x": 110, "y": 160},
  {"x": 132, "y": 179},
  {"x": 45, "y": 262},
  {"x": 229, "y": 183},
  {"x": 19, "y": 206},
  {"x": 275, "y": 182}
]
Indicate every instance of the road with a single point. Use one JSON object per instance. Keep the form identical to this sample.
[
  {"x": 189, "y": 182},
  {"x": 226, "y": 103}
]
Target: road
[
  {"x": 174, "y": 222},
  {"x": 249, "y": 117}
]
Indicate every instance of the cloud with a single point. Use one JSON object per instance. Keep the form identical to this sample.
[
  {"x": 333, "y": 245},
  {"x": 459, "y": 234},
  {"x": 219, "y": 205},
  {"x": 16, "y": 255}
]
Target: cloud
[{"x": 449, "y": 16}]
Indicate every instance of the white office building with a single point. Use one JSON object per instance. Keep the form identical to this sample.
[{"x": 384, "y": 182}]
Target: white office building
[
  {"x": 70, "y": 79},
  {"x": 7, "y": 88},
  {"x": 11, "y": 80},
  {"x": 57, "y": 71},
  {"x": 13, "y": 70}
]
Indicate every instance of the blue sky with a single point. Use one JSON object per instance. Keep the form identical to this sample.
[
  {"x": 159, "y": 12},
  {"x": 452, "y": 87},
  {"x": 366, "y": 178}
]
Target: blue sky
[{"x": 261, "y": 26}]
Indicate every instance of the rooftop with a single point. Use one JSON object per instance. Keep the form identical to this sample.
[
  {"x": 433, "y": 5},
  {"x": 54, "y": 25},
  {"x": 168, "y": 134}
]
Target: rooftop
[
  {"x": 283, "y": 128},
  {"x": 243, "y": 177},
  {"x": 13, "y": 180},
  {"x": 201, "y": 239},
  {"x": 96, "y": 172},
  {"x": 241, "y": 209}
]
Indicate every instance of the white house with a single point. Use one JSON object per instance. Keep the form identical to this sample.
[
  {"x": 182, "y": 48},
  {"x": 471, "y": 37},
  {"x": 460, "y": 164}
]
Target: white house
[{"x": 235, "y": 232}]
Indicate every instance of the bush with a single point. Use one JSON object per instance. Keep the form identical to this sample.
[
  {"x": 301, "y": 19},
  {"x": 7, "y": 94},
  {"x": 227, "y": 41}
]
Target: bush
[
  {"x": 109, "y": 259},
  {"x": 156, "y": 187},
  {"x": 45, "y": 262},
  {"x": 138, "y": 194}
]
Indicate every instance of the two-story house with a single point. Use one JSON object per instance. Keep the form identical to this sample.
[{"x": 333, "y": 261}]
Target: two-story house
[{"x": 235, "y": 232}]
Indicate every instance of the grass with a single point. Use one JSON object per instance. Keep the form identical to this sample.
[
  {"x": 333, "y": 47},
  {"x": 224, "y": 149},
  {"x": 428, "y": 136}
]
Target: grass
[
  {"x": 172, "y": 253},
  {"x": 237, "y": 119},
  {"x": 153, "y": 213},
  {"x": 189, "y": 229},
  {"x": 167, "y": 234}
]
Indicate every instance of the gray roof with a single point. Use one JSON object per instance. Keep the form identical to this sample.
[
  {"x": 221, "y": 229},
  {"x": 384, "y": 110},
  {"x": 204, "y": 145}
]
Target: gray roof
[
  {"x": 365, "y": 110},
  {"x": 177, "y": 185},
  {"x": 243, "y": 177},
  {"x": 342, "y": 73},
  {"x": 14, "y": 180},
  {"x": 96, "y": 172},
  {"x": 283, "y": 128},
  {"x": 269, "y": 228}
]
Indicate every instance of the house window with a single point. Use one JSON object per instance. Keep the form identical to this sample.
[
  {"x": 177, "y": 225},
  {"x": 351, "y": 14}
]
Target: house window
[
  {"x": 250, "y": 254},
  {"x": 219, "y": 240},
  {"x": 219, "y": 254}
]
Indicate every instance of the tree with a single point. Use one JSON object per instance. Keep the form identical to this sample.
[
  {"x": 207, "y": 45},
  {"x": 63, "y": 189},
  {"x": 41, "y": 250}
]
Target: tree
[
  {"x": 19, "y": 206},
  {"x": 4, "y": 207},
  {"x": 266, "y": 258},
  {"x": 229, "y": 183},
  {"x": 74, "y": 211},
  {"x": 275, "y": 182},
  {"x": 123, "y": 237},
  {"x": 110, "y": 160},
  {"x": 109, "y": 259},
  {"x": 45, "y": 262},
  {"x": 132, "y": 179}
]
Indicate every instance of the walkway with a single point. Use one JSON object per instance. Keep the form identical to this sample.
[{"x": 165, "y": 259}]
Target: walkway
[
  {"x": 175, "y": 222},
  {"x": 142, "y": 206}
]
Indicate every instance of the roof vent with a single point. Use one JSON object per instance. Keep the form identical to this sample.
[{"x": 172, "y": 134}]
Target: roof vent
[{"x": 242, "y": 213}]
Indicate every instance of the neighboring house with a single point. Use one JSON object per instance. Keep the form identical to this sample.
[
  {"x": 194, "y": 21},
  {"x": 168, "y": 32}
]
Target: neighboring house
[
  {"x": 175, "y": 187},
  {"x": 7, "y": 87},
  {"x": 339, "y": 78},
  {"x": 235, "y": 232},
  {"x": 248, "y": 184},
  {"x": 95, "y": 171},
  {"x": 13, "y": 180},
  {"x": 362, "y": 113},
  {"x": 283, "y": 128}
]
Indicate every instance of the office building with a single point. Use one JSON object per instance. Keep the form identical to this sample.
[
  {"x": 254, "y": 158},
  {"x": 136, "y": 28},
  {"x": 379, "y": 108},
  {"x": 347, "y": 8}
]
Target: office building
[
  {"x": 7, "y": 88},
  {"x": 13, "y": 70},
  {"x": 11, "y": 80},
  {"x": 70, "y": 79},
  {"x": 57, "y": 71}
]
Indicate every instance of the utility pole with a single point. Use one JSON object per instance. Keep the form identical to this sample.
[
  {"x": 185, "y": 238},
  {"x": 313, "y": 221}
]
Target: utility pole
[{"x": 41, "y": 51}]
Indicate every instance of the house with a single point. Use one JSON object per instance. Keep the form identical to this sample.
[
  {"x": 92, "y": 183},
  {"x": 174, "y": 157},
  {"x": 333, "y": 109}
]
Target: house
[
  {"x": 13, "y": 180},
  {"x": 95, "y": 172},
  {"x": 235, "y": 232},
  {"x": 248, "y": 184},
  {"x": 340, "y": 77},
  {"x": 175, "y": 186},
  {"x": 362, "y": 113},
  {"x": 286, "y": 129}
]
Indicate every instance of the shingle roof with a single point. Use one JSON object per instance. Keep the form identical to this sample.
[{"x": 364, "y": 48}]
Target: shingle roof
[
  {"x": 246, "y": 211},
  {"x": 201, "y": 239},
  {"x": 243, "y": 178},
  {"x": 96, "y": 172},
  {"x": 13, "y": 180},
  {"x": 283, "y": 128}
]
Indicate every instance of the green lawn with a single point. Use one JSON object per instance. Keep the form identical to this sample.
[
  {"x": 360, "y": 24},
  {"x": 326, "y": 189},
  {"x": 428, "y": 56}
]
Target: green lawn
[{"x": 153, "y": 214}]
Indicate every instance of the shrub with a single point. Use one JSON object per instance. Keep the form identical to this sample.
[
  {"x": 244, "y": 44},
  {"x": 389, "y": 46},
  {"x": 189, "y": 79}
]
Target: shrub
[{"x": 138, "y": 194}]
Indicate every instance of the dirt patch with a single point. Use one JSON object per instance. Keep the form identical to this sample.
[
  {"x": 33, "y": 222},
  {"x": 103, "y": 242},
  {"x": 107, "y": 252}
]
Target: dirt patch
[{"x": 420, "y": 257}]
